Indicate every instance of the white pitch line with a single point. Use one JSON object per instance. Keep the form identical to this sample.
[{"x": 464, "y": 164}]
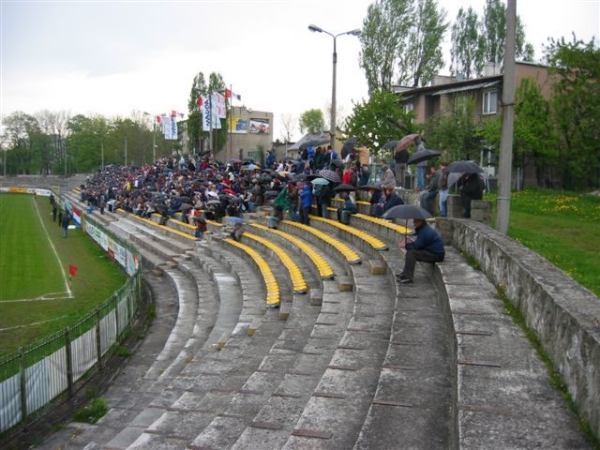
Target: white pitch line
[
  {"x": 32, "y": 324},
  {"x": 64, "y": 274}
]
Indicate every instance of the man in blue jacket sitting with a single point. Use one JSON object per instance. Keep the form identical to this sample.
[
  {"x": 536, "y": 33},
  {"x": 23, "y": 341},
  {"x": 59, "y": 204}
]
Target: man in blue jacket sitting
[{"x": 428, "y": 247}]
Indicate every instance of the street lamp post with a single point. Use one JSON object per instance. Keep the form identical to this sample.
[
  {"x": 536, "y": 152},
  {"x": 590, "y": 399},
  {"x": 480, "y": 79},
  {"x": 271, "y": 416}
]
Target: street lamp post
[{"x": 317, "y": 29}]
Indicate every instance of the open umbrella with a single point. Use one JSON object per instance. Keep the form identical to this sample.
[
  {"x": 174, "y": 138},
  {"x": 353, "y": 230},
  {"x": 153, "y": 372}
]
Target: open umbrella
[
  {"x": 406, "y": 212},
  {"x": 464, "y": 167},
  {"x": 321, "y": 181},
  {"x": 390, "y": 144},
  {"x": 368, "y": 187},
  {"x": 406, "y": 141},
  {"x": 313, "y": 143},
  {"x": 349, "y": 145},
  {"x": 344, "y": 188},
  {"x": 330, "y": 175},
  {"x": 185, "y": 207},
  {"x": 422, "y": 155}
]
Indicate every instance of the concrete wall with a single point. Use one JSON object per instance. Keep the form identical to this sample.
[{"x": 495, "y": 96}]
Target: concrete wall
[{"x": 564, "y": 314}]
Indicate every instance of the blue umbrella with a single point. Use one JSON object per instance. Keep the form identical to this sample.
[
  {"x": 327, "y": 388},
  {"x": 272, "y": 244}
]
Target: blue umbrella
[{"x": 321, "y": 181}]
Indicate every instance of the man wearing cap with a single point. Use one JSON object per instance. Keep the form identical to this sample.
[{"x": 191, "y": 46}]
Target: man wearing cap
[{"x": 428, "y": 247}]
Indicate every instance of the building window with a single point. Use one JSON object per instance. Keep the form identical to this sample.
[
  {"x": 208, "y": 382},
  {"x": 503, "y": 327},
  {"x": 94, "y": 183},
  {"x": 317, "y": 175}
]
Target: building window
[
  {"x": 408, "y": 108},
  {"x": 490, "y": 102}
]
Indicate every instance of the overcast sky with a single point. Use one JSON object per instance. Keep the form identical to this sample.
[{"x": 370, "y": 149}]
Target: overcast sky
[{"x": 116, "y": 57}]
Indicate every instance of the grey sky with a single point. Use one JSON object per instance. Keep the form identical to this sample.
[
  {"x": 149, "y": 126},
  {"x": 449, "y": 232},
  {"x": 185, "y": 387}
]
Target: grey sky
[{"x": 114, "y": 57}]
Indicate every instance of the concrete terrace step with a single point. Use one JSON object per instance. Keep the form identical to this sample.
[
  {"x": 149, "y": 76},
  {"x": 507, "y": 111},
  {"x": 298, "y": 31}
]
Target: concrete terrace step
[
  {"x": 502, "y": 386},
  {"x": 435, "y": 365}
]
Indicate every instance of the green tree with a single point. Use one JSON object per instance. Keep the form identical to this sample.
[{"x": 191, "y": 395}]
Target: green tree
[
  {"x": 534, "y": 134},
  {"x": 312, "y": 121},
  {"x": 423, "y": 57},
  {"x": 494, "y": 30},
  {"x": 202, "y": 88},
  {"x": 383, "y": 38},
  {"x": 454, "y": 131},
  {"x": 576, "y": 105},
  {"x": 379, "y": 120},
  {"x": 468, "y": 44},
  {"x": 23, "y": 133}
]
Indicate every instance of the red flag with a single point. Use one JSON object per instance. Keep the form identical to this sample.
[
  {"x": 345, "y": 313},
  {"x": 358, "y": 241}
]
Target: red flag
[
  {"x": 173, "y": 113},
  {"x": 72, "y": 270},
  {"x": 158, "y": 119},
  {"x": 227, "y": 93},
  {"x": 199, "y": 101}
]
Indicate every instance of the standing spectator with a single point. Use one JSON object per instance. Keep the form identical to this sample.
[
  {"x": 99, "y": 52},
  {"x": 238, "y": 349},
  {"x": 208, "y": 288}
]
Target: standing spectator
[
  {"x": 387, "y": 176},
  {"x": 471, "y": 188},
  {"x": 54, "y": 211},
  {"x": 422, "y": 166},
  {"x": 305, "y": 204},
  {"x": 364, "y": 159},
  {"x": 270, "y": 159},
  {"x": 66, "y": 221},
  {"x": 350, "y": 177},
  {"x": 443, "y": 194},
  {"x": 401, "y": 158},
  {"x": 431, "y": 190},
  {"x": 428, "y": 247},
  {"x": 324, "y": 200},
  {"x": 201, "y": 226}
]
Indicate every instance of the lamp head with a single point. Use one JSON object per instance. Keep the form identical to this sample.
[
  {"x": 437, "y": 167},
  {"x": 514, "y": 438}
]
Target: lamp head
[
  {"x": 356, "y": 32},
  {"x": 315, "y": 28}
]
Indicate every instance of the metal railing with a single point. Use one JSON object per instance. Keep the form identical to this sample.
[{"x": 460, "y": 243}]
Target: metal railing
[{"x": 37, "y": 376}]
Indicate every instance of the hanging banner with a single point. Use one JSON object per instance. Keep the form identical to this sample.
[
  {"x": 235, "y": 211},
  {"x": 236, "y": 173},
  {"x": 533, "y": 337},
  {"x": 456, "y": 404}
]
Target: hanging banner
[
  {"x": 220, "y": 105},
  {"x": 206, "y": 113}
]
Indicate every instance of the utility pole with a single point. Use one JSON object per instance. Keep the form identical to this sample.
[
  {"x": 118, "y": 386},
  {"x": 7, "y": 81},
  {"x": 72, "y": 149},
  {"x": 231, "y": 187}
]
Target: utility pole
[{"x": 508, "y": 114}]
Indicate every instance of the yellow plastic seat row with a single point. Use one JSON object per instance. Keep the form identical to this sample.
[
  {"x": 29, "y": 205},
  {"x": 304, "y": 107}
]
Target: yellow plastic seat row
[
  {"x": 271, "y": 285},
  {"x": 296, "y": 275},
  {"x": 351, "y": 256},
  {"x": 385, "y": 223},
  {"x": 325, "y": 270},
  {"x": 374, "y": 242},
  {"x": 358, "y": 202},
  {"x": 163, "y": 227}
]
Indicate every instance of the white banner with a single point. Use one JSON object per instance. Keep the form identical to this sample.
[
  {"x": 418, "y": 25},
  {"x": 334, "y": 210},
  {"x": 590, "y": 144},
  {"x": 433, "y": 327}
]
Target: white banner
[{"x": 206, "y": 110}]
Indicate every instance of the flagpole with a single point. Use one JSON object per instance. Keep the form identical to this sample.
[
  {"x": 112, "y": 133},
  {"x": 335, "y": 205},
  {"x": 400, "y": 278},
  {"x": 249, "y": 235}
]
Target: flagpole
[
  {"x": 210, "y": 130},
  {"x": 230, "y": 122}
]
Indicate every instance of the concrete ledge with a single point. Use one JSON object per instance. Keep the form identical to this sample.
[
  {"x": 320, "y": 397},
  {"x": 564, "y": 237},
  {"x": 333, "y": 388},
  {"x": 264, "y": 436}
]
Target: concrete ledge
[
  {"x": 563, "y": 313},
  {"x": 316, "y": 297},
  {"x": 285, "y": 308},
  {"x": 377, "y": 267},
  {"x": 345, "y": 284}
]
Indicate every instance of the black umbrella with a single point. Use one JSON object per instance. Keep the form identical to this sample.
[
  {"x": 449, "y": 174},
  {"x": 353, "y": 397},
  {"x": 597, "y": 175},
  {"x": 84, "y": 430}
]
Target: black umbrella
[
  {"x": 349, "y": 145},
  {"x": 368, "y": 187},
  {"x": 406, "y": 212},
  {"x": 185, "y": 207},
  {"x": 463, "y": 167},
  {"x": 390, "y": 144},
  {"x": 313, "y": 143},
  {"x": 344, "y": 188},
  {"x": 422, "y": 155},
  {"x": 337, "y": 163}
]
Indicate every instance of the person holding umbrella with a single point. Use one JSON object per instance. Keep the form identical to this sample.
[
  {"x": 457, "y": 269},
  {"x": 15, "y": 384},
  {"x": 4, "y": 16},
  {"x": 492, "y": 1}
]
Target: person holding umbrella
[
  {"x": 428, "y": 247},
  {"x": 471, "y": 188}
]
